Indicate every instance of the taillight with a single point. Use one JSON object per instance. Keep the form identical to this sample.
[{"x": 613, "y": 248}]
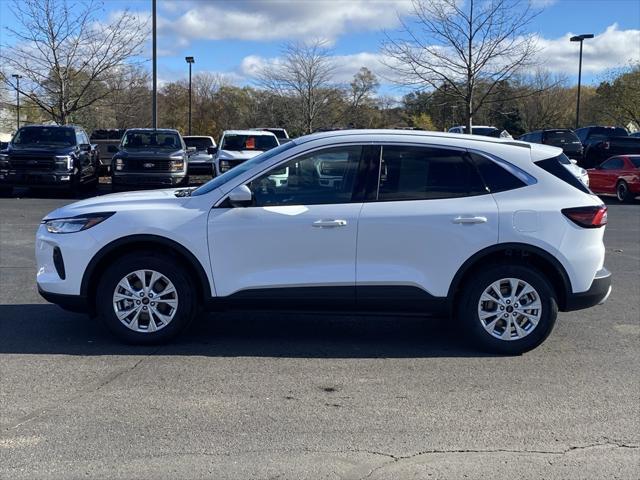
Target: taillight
[{"x": 587, "y": 217}]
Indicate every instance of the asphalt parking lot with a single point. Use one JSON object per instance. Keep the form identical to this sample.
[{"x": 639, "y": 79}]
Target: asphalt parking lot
[{"x": 308, "y": 396}]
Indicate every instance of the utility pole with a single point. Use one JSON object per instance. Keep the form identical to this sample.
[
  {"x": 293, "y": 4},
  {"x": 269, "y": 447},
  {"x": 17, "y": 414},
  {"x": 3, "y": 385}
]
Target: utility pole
[
  {"x": 17, "y": 77},
  {"x": 154, "y": 113},
  {"x": 190, "y": 61},
  {"x": 579, "y": 38}
]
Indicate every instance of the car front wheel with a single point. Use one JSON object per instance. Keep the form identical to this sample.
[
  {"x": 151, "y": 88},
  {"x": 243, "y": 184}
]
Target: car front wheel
[
  {"x": 508, "y": 309},
  {"x": 145, "y": 299}
]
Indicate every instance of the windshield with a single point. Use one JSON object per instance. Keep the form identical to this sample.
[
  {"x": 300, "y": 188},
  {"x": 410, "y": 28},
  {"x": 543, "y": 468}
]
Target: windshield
[
  {"x": 151, "y": 139},
  {"x": 201, "y": 143},
  {"x": 240, "y": 169},
  {"x": 561, "y": 136},
  {"x": 45, "y": 136},
  {"x": 236, "y": 143}
]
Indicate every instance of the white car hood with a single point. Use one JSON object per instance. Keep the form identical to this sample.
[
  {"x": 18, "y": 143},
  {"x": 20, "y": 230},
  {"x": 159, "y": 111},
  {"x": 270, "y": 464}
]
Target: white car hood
[
  {"x": 238, "y": 155},
  {"x": 119, "y": 201}
]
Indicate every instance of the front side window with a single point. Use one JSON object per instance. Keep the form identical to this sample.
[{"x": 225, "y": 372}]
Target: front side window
[
  {"x": 613, "y": 164},
  {"x": 322, "y": 177},
  {"x": 421, "y": 173}
]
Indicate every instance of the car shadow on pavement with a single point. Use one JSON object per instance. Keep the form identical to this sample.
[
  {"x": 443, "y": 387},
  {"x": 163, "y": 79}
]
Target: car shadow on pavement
[{"x": 47, "y": 329}]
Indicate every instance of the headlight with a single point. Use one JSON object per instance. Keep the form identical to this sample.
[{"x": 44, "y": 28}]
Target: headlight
[
  {"x": 225, "y": 165},
  {"x": 64, "y": 161},
  {"x": 176, "y": 165},
  {"x": 119, "y": 164},
  {"x": 75, "y": 224}
]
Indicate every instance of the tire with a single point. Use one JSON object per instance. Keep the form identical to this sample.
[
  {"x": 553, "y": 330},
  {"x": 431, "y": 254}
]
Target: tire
[
  {"x": 152, "y": 319},
  {"x": 529, "y": 334},
  {"x": 622, "y": 192}
]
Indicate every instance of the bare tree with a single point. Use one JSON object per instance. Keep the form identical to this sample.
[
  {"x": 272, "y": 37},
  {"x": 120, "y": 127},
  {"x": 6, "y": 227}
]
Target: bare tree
[
  {"x": 304, "y": 72},
  {"x": 551, "y": 105},
  {"x": 66, "y": 55},
  {"x": 463, "y": 45}
]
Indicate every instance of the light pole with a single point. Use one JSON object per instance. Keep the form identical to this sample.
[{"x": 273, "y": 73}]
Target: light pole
[
  {"x": 17, "y": 77},
  {"x": 579, "y": 38},
  {"x": 154, "y": 103},
  {"x": 190, "y": 61}
]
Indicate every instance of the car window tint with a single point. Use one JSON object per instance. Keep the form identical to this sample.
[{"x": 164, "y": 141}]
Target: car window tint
[
  {"x": 555, "y": 167},
  {"x": 635, "y": 161},
  {"x": 418, "y": 173},
  {"x": 613, "y": 164},
  {"x": 496, "y": 177},
  {"x": 322, "y": 177}
]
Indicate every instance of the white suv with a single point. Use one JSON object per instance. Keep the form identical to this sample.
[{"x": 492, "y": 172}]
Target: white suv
[
  {"x": 496, "y": 233},
  {"x": 237, "y": 146}
]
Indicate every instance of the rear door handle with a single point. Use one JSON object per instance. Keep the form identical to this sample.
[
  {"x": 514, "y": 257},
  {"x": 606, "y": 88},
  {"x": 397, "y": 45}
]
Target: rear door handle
[
  {"x": 465, "y": 220},
  {"x": 329, "y": 223}
]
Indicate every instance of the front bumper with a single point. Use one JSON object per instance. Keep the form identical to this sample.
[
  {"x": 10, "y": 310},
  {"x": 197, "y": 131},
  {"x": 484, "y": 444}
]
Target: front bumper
[
  {"x": 597, "y": 294},
  {"x": 71, "y": 303},
  {"x": 143, "y": 179},
  {"x": 30, "y": 179}
]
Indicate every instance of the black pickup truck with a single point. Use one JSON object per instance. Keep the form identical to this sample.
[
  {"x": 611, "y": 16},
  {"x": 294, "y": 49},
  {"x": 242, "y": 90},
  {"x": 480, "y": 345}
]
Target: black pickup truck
[
  {"x": 600, "y": 143},
  {"x": 49, "y": 156},
  {"x": 148, "y": 157}
]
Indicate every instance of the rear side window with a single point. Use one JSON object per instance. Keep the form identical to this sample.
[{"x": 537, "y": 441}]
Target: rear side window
[
  {"x": 556, "y": 168},
  {"x": 496, "y": 178},
  {"x": 422, "y": 173}
]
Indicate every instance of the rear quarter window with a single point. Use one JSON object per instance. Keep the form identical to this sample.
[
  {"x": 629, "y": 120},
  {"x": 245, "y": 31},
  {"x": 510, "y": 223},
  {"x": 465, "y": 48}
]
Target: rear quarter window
[
  {"x": 496, "y": 178},
  {"x": 555, "y": 167}
]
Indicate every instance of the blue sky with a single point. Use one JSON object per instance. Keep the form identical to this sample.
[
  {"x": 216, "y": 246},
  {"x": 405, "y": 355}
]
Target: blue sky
[{"x": 233, "y": 38}]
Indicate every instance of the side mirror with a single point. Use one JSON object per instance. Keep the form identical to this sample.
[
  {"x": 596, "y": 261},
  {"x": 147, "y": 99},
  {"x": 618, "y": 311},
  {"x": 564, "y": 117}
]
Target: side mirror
[
  {"x": 212, "y": 150},
  {"x": 112, "y": 149},
  {"x": 240, "y": 196}
]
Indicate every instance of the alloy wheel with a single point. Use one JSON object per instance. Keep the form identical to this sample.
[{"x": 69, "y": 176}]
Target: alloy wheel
[
  {"x": 509, "y": 309},
  {"x": 145, "y": 301}
]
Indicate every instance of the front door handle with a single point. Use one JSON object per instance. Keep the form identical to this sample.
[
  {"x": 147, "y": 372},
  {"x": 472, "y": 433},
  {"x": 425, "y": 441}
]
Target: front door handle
[
  {"x": 469, "y": 220},
  {"x": 329, "y": 223}
]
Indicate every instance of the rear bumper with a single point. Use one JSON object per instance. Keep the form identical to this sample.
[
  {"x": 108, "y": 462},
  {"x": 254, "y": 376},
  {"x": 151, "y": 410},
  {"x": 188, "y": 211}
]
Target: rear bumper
[
  {"x": 596, "y": 295},
  {"x": 29, "y": 179},
  {"x": 72, "y": 303}
]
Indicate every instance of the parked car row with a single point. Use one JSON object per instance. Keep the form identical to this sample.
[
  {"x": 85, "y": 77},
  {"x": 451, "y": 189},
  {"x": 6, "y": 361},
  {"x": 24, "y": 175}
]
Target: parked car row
[{"x": 64, "y": 156}]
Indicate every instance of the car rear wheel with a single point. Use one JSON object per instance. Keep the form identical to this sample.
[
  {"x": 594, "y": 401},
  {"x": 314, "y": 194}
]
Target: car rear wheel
[
  {"x": 508, "y": 309},
  {"x": 145, "y": 299},
  {"x": 622, "y": 192}
]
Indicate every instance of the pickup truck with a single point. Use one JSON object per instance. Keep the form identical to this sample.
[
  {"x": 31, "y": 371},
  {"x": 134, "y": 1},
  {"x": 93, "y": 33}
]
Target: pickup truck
[
  {"x": 149, "y": 157},
  {"x": 49, "y": 156},
  {"x": 104, "y": 138},
  {"x": 601, "y": 143}
]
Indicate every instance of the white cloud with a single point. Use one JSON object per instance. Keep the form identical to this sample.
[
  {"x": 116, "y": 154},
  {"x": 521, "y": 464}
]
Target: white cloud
[
  {"x": 278, "y": 20},
  {"x": 609, "y": 49}
]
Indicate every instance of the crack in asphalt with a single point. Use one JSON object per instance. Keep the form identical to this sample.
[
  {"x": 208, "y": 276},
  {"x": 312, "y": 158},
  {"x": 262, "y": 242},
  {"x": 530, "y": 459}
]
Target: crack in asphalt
[
  {"x": 79, "y": 394},
  {"x": 399, "y": 458}
]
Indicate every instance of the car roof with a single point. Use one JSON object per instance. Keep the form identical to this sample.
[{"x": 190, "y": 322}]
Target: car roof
[
  {"x": 248, "y": 132},
  {"x": 161, "y": 130},
  {"x": 197, "y": 136}
]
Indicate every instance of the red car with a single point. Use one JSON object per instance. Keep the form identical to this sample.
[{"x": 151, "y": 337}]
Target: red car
[{"x": 619, "y": 175}]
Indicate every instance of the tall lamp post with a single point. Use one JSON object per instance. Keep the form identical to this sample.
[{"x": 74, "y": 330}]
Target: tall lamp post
[
  {"x": 579, "y": 38},
  {"x": 190, "y": 61},
  {"x": 17, "y": 77},
  {"x": 154, "y": 101}
]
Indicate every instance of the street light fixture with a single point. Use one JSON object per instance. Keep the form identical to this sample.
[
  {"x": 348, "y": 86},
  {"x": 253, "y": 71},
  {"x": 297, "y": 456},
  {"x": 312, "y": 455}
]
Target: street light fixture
[
  {"x": 190, "y": 61},
  {"x": 17, "y": 77},
  {"x": 579, "y": 38}
]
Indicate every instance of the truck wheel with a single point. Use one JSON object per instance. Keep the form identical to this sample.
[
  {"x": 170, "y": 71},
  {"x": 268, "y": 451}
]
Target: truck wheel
[
  {"x": 145, "y": 298},
  {"x": 507, "y": 309}
]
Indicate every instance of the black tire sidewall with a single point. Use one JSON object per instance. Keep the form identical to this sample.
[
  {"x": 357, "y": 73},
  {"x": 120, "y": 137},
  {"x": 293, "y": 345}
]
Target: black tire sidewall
[
  {"x": 625, "y": 197},
  {"x": 468, "y": 312},
  {"x": 162, "y": 264}
]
